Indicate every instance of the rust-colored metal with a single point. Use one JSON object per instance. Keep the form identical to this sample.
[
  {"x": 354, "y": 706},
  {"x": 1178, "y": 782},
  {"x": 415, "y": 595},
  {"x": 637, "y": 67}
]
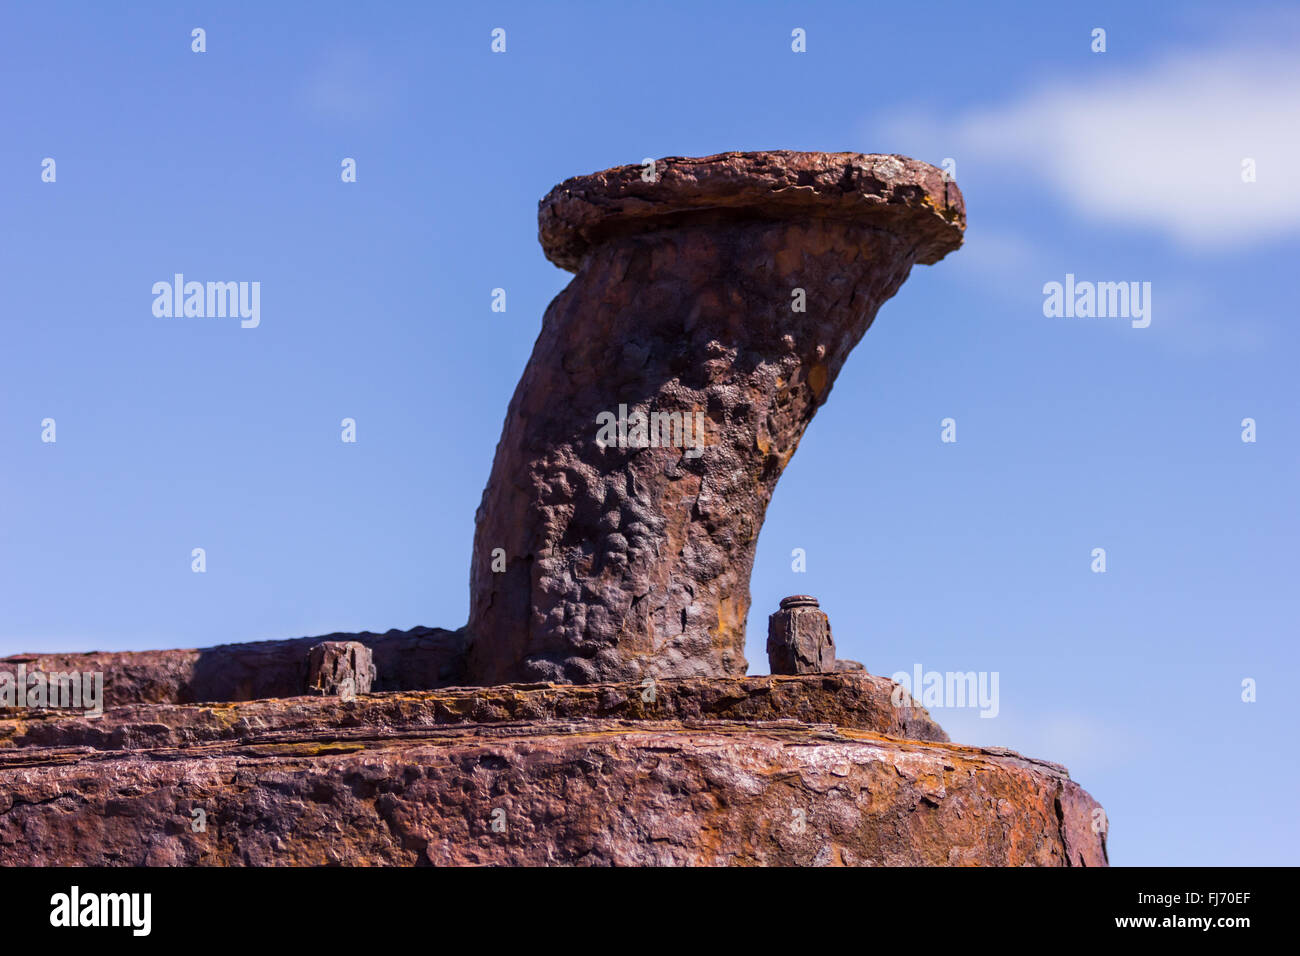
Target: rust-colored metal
[
  {"x": 596, "y": 560},
  {"x": 799, "y": 638},
  {"x": 709, "y": 772}
]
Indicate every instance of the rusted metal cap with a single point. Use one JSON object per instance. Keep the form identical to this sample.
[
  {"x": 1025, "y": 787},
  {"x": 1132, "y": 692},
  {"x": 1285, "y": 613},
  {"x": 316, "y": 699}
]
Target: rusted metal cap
[{"x": 905, "y": 196}]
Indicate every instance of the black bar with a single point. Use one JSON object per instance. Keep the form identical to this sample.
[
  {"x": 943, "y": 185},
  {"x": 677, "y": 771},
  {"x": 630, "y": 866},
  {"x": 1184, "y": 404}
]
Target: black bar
[{"x": 909, "y": 906}]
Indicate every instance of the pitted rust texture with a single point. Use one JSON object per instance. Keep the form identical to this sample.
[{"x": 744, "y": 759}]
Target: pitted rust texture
[
  {"x": 623, "y": 563},
  {"x": 549, "y": 793},
  {"x": 897, "y": 193}
]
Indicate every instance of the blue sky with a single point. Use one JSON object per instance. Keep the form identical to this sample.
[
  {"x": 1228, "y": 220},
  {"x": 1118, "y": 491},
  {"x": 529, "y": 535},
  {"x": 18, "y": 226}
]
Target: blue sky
[{"x": 1072, "y": 434}]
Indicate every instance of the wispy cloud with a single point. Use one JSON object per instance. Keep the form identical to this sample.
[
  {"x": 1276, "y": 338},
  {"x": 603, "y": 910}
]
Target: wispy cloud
[{"x": 1159, "y": 148}]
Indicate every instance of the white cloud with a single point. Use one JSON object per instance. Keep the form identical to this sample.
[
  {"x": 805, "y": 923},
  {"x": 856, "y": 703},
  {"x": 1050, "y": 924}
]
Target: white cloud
[{"x": 1159, "y": 148}]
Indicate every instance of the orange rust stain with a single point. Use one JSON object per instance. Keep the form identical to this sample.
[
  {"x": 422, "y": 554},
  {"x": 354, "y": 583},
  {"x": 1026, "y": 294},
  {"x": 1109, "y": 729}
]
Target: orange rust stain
[{"x": 817, "y": 380}]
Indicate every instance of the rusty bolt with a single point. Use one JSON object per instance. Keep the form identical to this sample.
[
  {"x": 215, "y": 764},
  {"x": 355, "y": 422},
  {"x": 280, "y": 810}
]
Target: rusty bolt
[
  {"x": 340, "y": 668},
  {"x": 799, "y": 638}
]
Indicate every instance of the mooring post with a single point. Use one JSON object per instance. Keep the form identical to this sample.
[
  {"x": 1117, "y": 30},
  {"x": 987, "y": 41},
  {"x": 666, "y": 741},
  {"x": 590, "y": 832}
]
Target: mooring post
[{"x": 714, "y": 302}]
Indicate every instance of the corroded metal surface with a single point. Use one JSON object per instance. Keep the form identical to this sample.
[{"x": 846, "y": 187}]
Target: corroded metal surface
[
  {"x": 859, "y": 701},
  {"x": 545, "y": 792},
  {"x": 596, "y": 561},
  {"x": 340, "y": 668},
  {"x": 404, "y": 660},
  {"x": 799, "y": 638}
]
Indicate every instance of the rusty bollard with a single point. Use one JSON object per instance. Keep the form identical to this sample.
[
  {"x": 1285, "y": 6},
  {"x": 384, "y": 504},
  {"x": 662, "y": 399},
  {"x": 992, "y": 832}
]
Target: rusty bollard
[
  {"x": 799, "y": 638},
  {"x": 340, "y": 668},
  {"x": 714, "y": 302}
]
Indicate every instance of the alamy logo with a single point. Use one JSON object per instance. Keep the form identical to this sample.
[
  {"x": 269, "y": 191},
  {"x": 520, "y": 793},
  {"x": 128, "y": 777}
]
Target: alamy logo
[
  {"x": 212, "y": 300},
  {"x": 74, "y": 909},
  {"x": 60, "y": 690},
  {"x": 1100, "y": 300},
  {"x": 656, "y": 430},
  {"x": 947, "y": 689}
]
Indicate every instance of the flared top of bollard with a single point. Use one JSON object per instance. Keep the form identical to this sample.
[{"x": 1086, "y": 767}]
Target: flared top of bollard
[{"x": 905, "y": 196}]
